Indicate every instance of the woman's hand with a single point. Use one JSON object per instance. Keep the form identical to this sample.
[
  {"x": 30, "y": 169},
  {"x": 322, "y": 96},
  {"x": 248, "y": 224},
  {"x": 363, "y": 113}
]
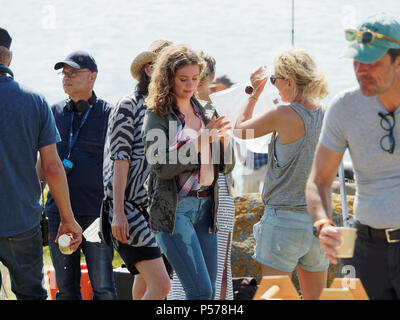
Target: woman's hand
[
  {"x": 120, "y": 227},
  {"x": 258, "y": 80},
  {"x": 216, "y": 129}
]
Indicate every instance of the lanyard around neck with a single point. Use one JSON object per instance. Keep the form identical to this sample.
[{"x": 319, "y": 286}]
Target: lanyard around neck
[{"x": 74, "y": 136}]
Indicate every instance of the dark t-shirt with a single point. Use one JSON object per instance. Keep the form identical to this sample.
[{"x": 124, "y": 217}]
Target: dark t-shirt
[
  {"x": 26, "y": 125},
  {"x": 85, "y": 181}
]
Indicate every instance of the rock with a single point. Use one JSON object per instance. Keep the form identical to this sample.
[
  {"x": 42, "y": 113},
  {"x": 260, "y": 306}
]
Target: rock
[
  {"x": 249, "y": 209},
  {"x": 350, "y": 188}
]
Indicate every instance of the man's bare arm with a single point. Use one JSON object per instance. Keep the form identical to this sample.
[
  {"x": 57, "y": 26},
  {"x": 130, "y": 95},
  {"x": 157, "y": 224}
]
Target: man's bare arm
[
  {"x": 319, "y": 196},
  {"x": 54, "y": 172}
]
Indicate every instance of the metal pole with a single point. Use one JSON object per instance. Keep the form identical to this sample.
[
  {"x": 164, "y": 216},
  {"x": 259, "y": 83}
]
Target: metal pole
[
  {"x": 342, "y": 184},
  {"x": 292, "y": 23}
]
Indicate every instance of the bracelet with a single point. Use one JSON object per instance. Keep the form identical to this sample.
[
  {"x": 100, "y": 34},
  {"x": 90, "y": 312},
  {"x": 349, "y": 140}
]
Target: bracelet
[
  {"x": 323, "y": 221},
  {"x": 253, "y": 97}
]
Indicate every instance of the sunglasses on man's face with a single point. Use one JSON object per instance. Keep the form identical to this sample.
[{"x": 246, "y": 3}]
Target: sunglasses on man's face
[
  {"x": 273, "y": 79},
  {"x": 366, "y": 36}
]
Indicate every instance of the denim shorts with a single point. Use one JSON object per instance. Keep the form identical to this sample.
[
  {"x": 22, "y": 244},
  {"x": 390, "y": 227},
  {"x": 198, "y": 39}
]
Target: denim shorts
[{"x": 284, "y": 239}]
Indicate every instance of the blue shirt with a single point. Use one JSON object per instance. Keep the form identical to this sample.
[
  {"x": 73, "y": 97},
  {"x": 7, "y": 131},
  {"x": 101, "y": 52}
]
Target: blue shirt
[
  {"x": 255, "y": 160},
  {"x": 26, "y": 125},
  {"x": 85, "y": 181}
]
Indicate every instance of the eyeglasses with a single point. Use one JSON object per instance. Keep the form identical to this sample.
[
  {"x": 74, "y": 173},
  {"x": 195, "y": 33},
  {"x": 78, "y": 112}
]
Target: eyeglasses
[
  {"x": 366, "y": 36},
  {"x": 273, "y": 79},
  {"x": 72, "y": 74},
  {"x": 387, "y": 123}
]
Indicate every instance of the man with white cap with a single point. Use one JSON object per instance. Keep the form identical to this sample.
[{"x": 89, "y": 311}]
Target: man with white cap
[
  {"x": 26, "y": 128},
  {"x": 363, "y": 120},
  {"x": 82, "y": 121}
]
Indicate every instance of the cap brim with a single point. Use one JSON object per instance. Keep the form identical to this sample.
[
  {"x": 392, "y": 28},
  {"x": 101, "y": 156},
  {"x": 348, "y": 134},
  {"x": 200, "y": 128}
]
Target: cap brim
[
  {"x": 72, "y": 64},
  {"x": 364, "y": 53}
]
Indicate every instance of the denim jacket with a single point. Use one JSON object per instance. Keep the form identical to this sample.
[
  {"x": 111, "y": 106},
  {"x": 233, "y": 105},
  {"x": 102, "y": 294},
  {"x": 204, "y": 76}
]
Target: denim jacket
[{"x": 161, "y": 184}]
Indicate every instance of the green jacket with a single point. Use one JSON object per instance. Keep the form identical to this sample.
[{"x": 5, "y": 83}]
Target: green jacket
[{"x": 161, "y": 183}]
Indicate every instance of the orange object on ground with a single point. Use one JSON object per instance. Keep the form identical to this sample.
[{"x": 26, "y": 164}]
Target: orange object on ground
[{"x": 86, "y": 287}]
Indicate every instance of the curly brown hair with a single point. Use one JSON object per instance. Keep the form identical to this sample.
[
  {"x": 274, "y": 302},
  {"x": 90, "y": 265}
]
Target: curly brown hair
[{"x": 161, "y": 98}]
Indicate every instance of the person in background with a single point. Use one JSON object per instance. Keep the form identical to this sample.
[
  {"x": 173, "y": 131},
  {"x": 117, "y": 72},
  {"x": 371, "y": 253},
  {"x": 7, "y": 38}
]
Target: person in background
[
  {"x": 27, "y": 127},
  {"x": 254, "y": 169},
  {"x": 363, "y": 120},
  {"x": 186, "y": 147},
  {"x": 82, "y": 121},
  {"x": 125, "y": 171},
  {"x": 284, "y": 238},
  {"x": 221, "y": 83},
  {"x": 226, "y": 210}
]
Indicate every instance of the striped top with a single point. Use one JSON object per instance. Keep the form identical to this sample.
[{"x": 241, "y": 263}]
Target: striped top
[{"x": 124, "y": 142}]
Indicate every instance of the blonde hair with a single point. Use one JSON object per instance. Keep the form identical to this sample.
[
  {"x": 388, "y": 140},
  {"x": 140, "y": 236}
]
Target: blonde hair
[
  {"x": 297, "y": 65},
  {"x": 161, "y": 98}
]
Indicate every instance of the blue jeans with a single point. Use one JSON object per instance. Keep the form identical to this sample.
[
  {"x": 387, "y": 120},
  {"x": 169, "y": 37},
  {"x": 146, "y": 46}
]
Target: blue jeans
[
  {"x": 67, "y": 268},
  {"x": 22, "y": 254},
  {"x": 191, "y": 249}
]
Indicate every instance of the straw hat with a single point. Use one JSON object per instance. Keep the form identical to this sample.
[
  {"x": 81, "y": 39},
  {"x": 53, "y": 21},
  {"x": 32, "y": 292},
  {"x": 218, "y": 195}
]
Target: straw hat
[
  {"x": 141, "y": 60},
  {"x": 157, "y": 45}
]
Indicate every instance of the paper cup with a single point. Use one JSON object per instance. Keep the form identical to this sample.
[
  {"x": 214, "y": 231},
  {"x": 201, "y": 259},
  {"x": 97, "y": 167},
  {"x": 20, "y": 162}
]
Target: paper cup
[
  {"x": 63, "y": 244},
  {"x": 346, "y": 249}
]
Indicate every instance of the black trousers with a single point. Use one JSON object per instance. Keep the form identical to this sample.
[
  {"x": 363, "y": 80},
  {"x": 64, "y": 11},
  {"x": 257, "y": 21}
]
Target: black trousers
[{"x": 377, "y": 265}]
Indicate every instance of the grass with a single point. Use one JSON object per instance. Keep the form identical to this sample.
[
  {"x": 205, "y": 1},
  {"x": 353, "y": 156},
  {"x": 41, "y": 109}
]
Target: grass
[{"x": 117, "y": 261}]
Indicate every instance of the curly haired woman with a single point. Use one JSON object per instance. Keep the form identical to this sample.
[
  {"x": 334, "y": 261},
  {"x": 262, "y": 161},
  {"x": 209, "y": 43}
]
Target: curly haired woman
[{"x": 187, "y": 147}]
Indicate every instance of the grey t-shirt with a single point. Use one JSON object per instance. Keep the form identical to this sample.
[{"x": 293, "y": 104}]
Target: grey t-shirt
[{"x": 352, "y": 122}]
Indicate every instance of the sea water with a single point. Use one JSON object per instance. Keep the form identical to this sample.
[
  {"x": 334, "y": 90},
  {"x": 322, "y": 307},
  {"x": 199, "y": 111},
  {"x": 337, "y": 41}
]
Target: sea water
[{"x": 241, "y": 35}]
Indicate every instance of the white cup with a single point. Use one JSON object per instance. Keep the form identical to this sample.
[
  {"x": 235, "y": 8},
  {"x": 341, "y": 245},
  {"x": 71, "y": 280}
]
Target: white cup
[
  {"x": 346, "y": 249},
  {"x": 63, "y": 244}
]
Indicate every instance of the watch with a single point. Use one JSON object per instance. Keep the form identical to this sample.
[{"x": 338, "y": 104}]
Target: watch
[{"x": 318, "y": 225}]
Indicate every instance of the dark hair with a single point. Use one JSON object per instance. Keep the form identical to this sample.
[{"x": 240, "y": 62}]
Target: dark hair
[
  {"x": 394, "y": 53},
  {"x": 143, "y": 85},
  {"x": 210, "y": 61}
]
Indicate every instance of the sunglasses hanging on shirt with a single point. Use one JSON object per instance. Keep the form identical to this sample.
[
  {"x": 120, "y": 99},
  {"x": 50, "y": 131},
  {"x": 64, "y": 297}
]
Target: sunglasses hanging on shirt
[{"x": 388, "y": 122}]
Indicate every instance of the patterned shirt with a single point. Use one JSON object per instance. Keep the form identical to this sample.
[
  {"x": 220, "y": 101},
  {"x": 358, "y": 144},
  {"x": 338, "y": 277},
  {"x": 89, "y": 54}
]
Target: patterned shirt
[
  {"x": 124, "y": 141},
  {"x": 188, "y": 181}
]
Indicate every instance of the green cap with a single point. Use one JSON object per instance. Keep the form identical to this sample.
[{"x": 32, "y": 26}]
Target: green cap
[{"x": 381, "y": 23}]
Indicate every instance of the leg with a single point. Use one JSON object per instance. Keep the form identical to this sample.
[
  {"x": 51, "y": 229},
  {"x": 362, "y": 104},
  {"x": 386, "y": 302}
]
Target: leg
[
  {"x": 139, "y": 288},
  {"x": 156, "y": 279},
  {"x": 311, "y": 283},
  {"x": 182, "y": 249},
  {"x": 22, "y": 254},
  {"x": 208, "y": 241},
  {"x": 371, "y": 263},
  {"x": 99, "y": 263},
  {"x": 67, "y": 267},
  {"x": 268, "y": 271}
]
